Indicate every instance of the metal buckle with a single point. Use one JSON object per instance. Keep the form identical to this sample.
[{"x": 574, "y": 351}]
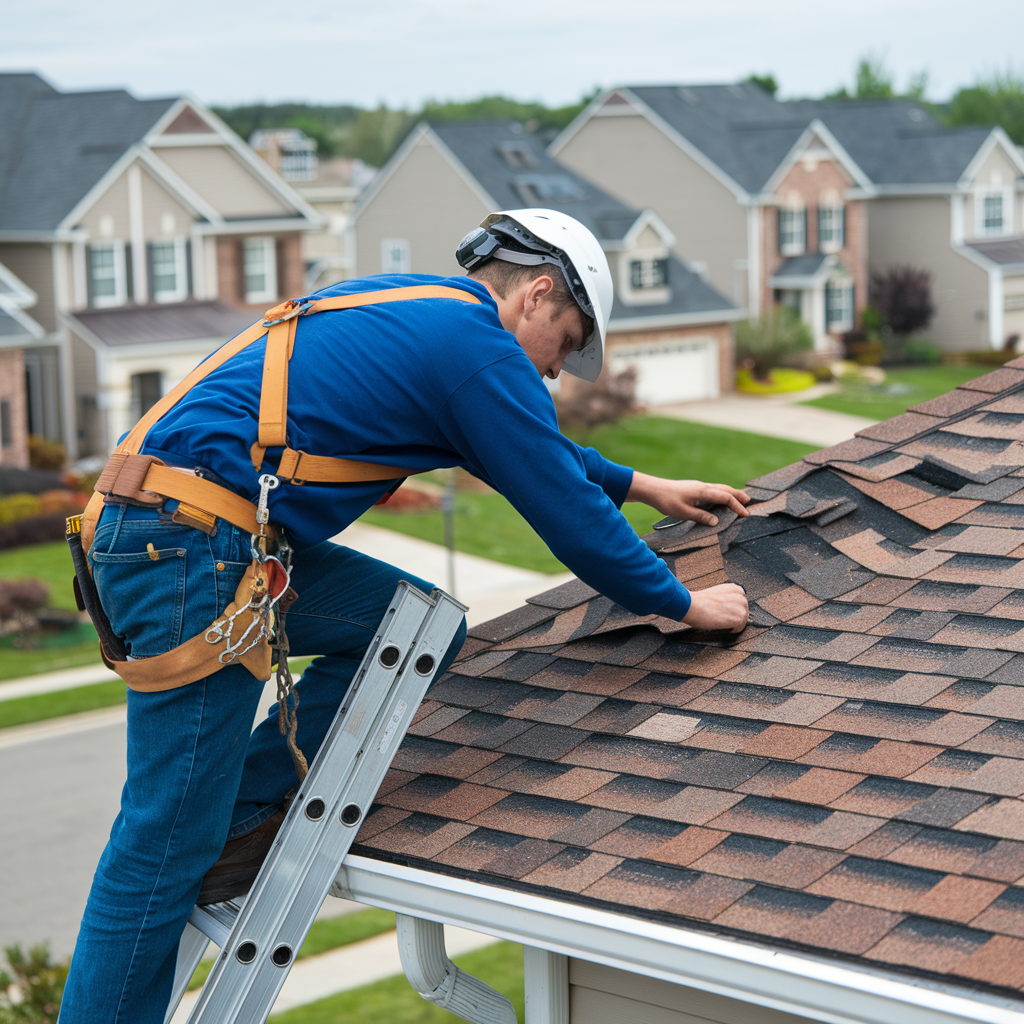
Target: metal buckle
[{"x": 298, "y": 310}]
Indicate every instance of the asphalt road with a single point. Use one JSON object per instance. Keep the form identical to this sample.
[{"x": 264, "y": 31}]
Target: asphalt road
[{"x": 58, "y": 799}]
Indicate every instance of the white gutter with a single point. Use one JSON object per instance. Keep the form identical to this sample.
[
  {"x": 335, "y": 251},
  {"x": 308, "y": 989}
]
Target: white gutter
[
  {"x": 250, "y": 227},
  {"x": 438, "y": 980},
  {"x": 808, "y": 987},
  {"x": 643, "y": 323}
]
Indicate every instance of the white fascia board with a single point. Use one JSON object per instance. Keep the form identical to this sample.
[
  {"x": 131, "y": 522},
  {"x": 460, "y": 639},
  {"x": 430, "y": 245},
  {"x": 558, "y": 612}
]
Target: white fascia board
[
  {"x": 649, "y": 217},
  {"x": 559, "y": 142},
  {"x": 695, "y": 154},
  {"x": 814, "y": 128},
  {"x": 114, "y": 172},
  {"x": 47, "y": 237},
  {"x": 927, "y": 188},
  {"x": 977, "y": 258},
  {"x": 176, "y": 141},
  {"x": 20, "y": 294},
  {"x": 815, "y": 988},
  {"x": 31, "y": 328},
  {"x": 644, "y": 323},
  {"x": 251, "y": 227},
  {"x": 996, "y": 137},
  {"x": 71, "y": 323},
  {"x": 381, "y": 178},
  {"x": 184, "y": 192}
]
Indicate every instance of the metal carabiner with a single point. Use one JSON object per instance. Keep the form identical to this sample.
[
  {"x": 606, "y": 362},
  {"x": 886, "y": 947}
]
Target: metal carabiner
[{"x": 298, "y": 310}]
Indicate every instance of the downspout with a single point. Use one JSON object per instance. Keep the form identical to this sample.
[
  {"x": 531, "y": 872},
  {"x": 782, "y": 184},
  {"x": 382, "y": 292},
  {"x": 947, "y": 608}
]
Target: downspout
[
  {"x": 995, "y": 308},
  {"x": 438, "y": 980}
]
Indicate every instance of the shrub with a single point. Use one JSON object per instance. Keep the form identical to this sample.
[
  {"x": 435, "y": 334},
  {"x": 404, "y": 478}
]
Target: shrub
[
  {"x": 921, "y": 350},
  {"x": 902, "y": 295},
  {"x": 45, "y": 454},
  {"x": 39, "y": 983},
  {"x": 34, "y": 530},
  {"x": 19, "y": 506},
  {"x": 766, "y": 341},
  {"x": 607, "y": 400}
]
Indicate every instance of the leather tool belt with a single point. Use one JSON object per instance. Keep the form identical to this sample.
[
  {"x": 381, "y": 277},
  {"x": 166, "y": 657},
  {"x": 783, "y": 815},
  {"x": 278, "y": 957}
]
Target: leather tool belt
[{"x": 131, "y": 477}]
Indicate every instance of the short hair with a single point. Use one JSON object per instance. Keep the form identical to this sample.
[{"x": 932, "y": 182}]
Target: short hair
[{"x": 505, "y": 277}]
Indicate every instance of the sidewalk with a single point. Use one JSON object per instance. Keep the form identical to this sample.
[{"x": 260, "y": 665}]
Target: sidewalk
[
  {"x": 489, "y": 588},
  {"x": 353, "y": 966},
  {"x": 774, "y": 415}
]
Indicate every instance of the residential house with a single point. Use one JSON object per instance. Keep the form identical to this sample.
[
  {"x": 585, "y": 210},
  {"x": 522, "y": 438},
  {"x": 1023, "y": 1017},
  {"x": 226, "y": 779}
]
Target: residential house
[
  {"x": 17, "y": 329},
  {"x": 798, "y": 202},
  {"x": 330, "y": 185},
  {"x": 818, "y": 819},
  {"x": 667, "y": 321},
  {"x": 151, "y": 234}
]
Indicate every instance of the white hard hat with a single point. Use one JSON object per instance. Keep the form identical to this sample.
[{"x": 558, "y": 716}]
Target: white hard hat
[{"x": 547, "y": 236}]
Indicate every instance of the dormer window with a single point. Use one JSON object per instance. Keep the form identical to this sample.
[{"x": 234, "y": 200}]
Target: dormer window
[
  {"x": 831, "y": 227},
  {"x": 792, "y": 231},
  {"x": 168, "y": 270},
  {"x": 538, "y": 189},
  {"x": 108, "y": 284},
  {"x": 646, "y": 274},
  {"x": 518, "y": 156}
]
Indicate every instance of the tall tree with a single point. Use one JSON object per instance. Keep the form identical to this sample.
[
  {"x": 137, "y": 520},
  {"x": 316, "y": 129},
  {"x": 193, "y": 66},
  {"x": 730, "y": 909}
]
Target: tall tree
[{"x": 997, "y": 100}]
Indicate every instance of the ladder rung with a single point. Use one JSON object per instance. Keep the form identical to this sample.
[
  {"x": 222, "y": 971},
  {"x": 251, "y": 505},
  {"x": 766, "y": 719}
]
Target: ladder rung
[{"x": 216, "y": 920}]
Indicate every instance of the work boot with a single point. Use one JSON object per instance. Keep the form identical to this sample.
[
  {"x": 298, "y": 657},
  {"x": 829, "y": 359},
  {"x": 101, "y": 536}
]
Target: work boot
[{"x": 241, "y": 859}]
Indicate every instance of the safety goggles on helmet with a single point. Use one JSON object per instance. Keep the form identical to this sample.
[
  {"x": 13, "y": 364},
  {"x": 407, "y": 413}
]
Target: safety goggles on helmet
[{"x": 494, "y": 241}]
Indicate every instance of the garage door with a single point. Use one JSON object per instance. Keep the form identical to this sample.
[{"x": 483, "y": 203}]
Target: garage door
[{"x": 672, "y": 371}]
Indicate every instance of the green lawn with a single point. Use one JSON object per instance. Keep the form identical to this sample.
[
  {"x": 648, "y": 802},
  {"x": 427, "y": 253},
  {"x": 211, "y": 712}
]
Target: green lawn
[
  {"x": 393, "y": 1001},
  {"x": 903, "y": 387},
  {"x": 487, "y": 525},
  {"x": 50, "y": 562},
  {"x": 324, "y": 936},
  {"x": 22, "y": 710}
]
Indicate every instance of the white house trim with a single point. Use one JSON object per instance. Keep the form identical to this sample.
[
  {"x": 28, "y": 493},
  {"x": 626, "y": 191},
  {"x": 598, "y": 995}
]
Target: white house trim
[
  {"x": 137, "y": 235},
  {"x": 590, "y": 110},
  {"x": 807, "y": 986},
  {"x": 173, "y": 141},
  {"x": 642, "y": 323},
  {"x": 116, "y": 169},
  {"x": 252, "y": 227},
  {"x": 647, "y": 218},
  {"x": 383, "y": 176},
  {"x": 997, "y": 137},
  {"x": 754, "y": 260},
  {"x": 816, "y": 128},
  {"x": 20, "y": 295},
  {"x": 187, "y": 195},
  {"x": 488, "y": 200},
  {"x": 995, "y": 308}
]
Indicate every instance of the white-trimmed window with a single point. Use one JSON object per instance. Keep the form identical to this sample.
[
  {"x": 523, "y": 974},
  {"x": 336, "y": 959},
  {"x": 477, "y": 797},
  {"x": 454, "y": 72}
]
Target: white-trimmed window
[
  {"x": 395, "y": 256},
  {"x": 838, "y": 306},
  {"x": 792, "y": 231},
  {"x": 259, "y": 269},
  {"x": 168, "y": 270},
  {"x": 108, "y": 285},
  {"x": 644, "y": 274},
  {"x": 993, "y": 211},
  {"x": 831, "y": 227}
]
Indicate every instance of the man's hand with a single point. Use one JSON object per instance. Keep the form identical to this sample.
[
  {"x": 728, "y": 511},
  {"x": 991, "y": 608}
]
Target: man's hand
[
  {"x": 721, "y": 607},
  {"x": 686, "y": 499}
]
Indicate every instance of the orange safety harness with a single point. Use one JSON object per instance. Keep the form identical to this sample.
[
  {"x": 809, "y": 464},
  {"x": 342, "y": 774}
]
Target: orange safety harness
[{"x": 145, "y": 480}]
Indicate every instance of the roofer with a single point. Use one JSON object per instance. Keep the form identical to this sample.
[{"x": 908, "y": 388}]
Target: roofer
[{"x": 402, "y": 374}]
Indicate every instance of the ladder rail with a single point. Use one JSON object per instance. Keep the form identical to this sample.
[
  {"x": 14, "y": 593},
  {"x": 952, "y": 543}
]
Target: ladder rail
[{"x": 267, "y": 932}]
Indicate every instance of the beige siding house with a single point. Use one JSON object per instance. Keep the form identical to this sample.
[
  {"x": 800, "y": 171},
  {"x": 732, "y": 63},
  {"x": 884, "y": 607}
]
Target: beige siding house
[
  {"x": 17, "y": 329},
  {"x": 668, "y": 321},
  {"x": 800, "y": 202},
  {"x": 150, "y": 234}
]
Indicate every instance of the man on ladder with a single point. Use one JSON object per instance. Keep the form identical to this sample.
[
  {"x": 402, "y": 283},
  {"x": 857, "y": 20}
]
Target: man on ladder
[{"x": 213, "y": 515}]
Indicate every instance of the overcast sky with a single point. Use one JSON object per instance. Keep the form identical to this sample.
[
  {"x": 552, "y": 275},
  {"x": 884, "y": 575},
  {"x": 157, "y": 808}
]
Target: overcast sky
[{"x": 402, "y": 52}]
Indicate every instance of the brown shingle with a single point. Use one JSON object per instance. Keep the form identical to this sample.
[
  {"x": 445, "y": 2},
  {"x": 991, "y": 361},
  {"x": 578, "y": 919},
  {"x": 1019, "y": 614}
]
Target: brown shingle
[
  {"x": 562, "y": 821},
  {"x": 445, "y": 798},
  {"x": 983, "y": 540},
  {"x": 1002, "y": 818},
  {"x": 482, "y": 662},
  {"x": 880, "y": 684},
  {"x": 683, "y": 658},
  {"x": 949, "y": 597},
  {"x": 664, "y": 841},
  {"x": 438, "y": 720},
  {"x": 854, "y": 450},
  {"x": 583, "y": 677},
  {"x": 572, "y": 870},
  {"x": 983, "y": 773},
  {"x": 881, "y": 590},
  {"x": 425, "y": 755},
  {"x": 983, "y": 699},
  {"x": 544, "y": 741},
  {"x": 767, "y": 860},
  {"x": 810, "y": 920},
  {"x": 892, "y": 493},
  {"x": 667, "y": 889},
  {"x": 1004, "y": 915},
  {"x": 900, "y": 428},
  {"x": 937, "y": 512},
  {"x": 997, "y": 380},
  {"x": 497, "y": 853},
  {"x": 418, "y": 835},
  {"x": 568, "y": 595},
  {"x": 801, "y": 783},
  {"x": 912, "y": 625},
  {"x": 847, "y": 752},
  {"x": 511, "y": 623},
  {"x": 768, "y": 670},
  {"x": 853, "y": 618},
  {"x": 665, "y": 690},
  {"x": 786, "y": 742},
  {"x": 896, "y": 722},
  {"x": 764, "y": 703},
  {"x": 789, "y": 603},
  {"x": 950, "y": 404},
  {"x": 1001, "y": 860},
  {"x": 796, "y": 823},
  {"x": 691, "y": 805},
  {"x": 554, "y": 708},
  {"x": 543, "y": 778}
]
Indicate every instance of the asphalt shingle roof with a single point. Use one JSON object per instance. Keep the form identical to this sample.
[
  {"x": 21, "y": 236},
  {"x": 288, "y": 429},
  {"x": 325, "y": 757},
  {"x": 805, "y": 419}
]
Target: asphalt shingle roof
[
  {"x": 179, "y": 321},
  {"x": 491, "y": 151},
  {"x": 748, "y": 133},
  {"x": 55, "y": 146},
  {"x": 845, "y": 777}
]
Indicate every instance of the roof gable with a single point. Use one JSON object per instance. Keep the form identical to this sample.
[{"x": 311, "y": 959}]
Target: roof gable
[{"x": 844, "y": 778}]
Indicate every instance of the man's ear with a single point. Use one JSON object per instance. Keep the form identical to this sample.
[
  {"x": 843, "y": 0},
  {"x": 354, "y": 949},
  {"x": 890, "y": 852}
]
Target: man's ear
[{"x": 537, "y": 291}]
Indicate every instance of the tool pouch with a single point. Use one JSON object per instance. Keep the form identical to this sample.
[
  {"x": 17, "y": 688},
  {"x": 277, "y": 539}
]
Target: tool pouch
[
  {"x": 88, "y": 600},
  {"x": 122, "y": 477}
]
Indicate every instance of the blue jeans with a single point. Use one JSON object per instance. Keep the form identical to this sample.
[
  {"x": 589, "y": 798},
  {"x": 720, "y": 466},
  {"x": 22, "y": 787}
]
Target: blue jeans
[{"x": 196, "y": 777}]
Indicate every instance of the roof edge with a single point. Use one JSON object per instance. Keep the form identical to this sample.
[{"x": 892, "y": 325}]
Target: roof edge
[{"x": 817, "y": 988}]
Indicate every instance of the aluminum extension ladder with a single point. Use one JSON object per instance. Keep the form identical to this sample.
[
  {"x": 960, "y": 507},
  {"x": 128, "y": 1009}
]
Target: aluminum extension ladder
[{"x": 260, "y": 935}]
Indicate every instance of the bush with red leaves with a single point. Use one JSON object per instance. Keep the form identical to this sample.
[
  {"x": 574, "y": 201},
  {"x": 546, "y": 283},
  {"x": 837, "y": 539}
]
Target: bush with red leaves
[{"x": 903, "y": 296}]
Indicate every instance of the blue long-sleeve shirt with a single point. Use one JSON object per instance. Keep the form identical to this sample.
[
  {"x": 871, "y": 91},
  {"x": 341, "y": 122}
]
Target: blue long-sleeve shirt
[{"x": 422, "y": 384}]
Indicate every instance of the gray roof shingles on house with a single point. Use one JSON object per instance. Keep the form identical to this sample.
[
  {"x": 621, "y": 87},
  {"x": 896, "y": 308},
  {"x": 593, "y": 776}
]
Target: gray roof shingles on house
[
  {"x": 513, "y": 167},
  {"x": 1006, "y": 252},
  {"x": 56, "y": 146},
  {"x": 180, "y": 321},
  {"x": 845, "y": 777},
  {"x": 748, "y": 133}
]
